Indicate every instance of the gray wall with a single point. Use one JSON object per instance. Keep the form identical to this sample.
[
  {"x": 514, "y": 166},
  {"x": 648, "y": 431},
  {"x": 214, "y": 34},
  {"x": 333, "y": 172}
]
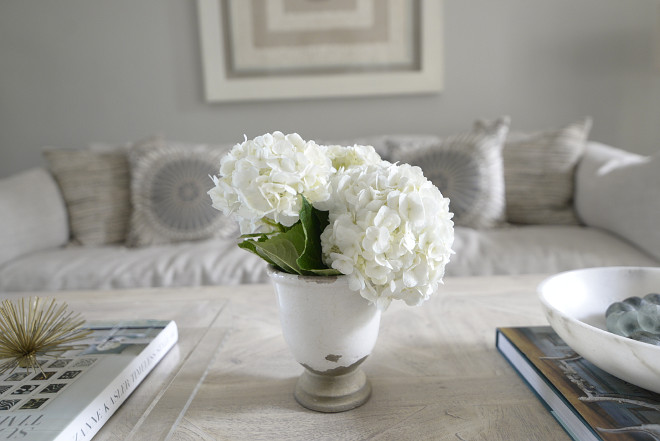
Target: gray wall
[{"x": 74, "y": 72}]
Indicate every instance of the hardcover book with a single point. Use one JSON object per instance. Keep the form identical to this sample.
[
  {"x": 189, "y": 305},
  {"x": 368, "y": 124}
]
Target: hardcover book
[
  {"x": 588, "y": 402},
  {"x": 75, "y": 394}
]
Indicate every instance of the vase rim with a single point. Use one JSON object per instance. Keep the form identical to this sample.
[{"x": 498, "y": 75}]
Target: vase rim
[{"x": 274, "y": 272}]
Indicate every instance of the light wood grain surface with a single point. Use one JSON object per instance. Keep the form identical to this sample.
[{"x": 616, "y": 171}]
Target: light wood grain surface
[{"x": 435, "y": 372}]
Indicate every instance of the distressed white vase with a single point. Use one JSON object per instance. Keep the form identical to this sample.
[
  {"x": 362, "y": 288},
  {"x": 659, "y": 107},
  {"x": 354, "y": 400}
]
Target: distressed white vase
[{"x": 330, "y": 330}]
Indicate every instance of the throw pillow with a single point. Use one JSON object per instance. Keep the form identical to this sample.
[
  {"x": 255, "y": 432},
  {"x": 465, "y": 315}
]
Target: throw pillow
[
  {"x": 618, "y": 192},
  {"x": 467, "y": 168},
  {"x": 539, "y": 171},
  {"x": 33, "y": 215},
  {"x": 169, "y": 185},
  {"x": 95, "y": 186}
]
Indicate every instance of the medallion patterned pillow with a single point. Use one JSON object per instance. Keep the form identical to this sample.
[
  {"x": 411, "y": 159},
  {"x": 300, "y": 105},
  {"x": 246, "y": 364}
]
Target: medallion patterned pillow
[
  {"x": 95, "y": 186},
  {"x": 169, "y": 183},
  {"x": 467, "y": 168},
  {"x": 539, "y": 173}
]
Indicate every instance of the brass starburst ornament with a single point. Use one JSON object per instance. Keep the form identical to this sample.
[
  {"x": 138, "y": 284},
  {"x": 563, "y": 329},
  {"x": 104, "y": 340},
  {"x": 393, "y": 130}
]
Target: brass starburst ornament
[{"x": 32, "y": 328}]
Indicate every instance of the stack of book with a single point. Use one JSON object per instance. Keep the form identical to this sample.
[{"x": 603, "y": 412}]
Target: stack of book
[{"x": 588, "y": 402}]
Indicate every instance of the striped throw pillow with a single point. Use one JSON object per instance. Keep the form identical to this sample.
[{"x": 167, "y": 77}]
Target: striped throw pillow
[
  {"x": 96, "y": 189},
  {"x": 539, "y": 174}
]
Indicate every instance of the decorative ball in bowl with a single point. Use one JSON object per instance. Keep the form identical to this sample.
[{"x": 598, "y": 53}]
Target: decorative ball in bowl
[{"x": 575, "y": 303}]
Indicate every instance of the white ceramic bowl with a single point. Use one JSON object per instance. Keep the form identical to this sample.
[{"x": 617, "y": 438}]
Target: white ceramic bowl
[{"x": 575, "y": 303}]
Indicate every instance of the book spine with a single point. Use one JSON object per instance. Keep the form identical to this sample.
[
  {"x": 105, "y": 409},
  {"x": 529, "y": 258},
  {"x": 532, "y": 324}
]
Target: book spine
[
  {"x": 94, "y": 416},
  {"x": 547, "y": 393}
]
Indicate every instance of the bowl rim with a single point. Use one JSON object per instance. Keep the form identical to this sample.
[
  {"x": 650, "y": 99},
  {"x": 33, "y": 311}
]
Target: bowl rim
[{"x": 546, "y": 304}]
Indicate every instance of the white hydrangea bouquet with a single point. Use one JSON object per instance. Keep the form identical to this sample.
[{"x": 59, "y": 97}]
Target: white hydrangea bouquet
[{"x": 319, "y": 210}]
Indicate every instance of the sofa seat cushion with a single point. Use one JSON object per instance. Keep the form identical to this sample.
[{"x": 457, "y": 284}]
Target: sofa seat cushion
[
  {"x": 533, "y": 249},
  {"x": 507, "y": 250},
  {"x": 212, "y": 262}
]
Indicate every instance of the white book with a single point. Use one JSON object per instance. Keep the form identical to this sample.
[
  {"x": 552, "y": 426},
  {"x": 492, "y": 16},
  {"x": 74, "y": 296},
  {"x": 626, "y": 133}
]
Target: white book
[{"x": 79, "y": 391}]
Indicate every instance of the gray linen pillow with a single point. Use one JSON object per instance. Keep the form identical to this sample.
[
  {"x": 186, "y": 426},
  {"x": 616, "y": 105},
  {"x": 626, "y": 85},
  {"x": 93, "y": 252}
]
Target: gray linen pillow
[
  {"x": 467, "y": 168},
  {"x": 539, "y": 173},
  {"x": 95, "y": 186},
  {"x": 169, "y": 183}
]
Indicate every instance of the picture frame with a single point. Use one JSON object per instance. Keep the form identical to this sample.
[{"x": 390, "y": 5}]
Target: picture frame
[{"x": 398, "y": 51}]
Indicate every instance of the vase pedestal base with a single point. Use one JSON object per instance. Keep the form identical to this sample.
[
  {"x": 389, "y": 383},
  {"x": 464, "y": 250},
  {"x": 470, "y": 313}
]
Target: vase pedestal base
[{"x": 332, "y": 393}]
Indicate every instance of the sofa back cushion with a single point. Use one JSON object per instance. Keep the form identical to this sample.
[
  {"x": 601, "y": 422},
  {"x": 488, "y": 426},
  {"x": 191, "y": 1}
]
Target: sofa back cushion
[
  {"x": 619, "y": 191},
  {"x": 33, "y": 214}
]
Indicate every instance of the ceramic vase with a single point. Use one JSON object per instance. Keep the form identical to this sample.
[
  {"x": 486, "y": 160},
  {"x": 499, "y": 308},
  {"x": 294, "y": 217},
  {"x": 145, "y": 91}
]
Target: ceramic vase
[{"x": 330, "y": 330}]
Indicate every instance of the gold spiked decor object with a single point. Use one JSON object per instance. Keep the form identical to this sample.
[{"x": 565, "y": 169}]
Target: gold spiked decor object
[{"x": 31, "y": 328}]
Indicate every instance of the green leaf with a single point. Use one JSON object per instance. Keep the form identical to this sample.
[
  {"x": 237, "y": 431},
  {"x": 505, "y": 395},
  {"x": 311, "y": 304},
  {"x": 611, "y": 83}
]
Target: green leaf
[
  {"x": 250, "y": 245},
  {"x": 323, "y": 272},
  {"x": 281, "y": 252},
  {"x": 310, "y": 258},
  {"x": 280, "y": 249},
  {"x": 296, "y": 249},
  {"x": 322, "y": 217},
  {"x": 313, "y": 222}
]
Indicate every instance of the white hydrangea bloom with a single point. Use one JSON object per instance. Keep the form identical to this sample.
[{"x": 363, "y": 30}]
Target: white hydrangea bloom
[
  {"x": 345, "y": 157},
  {"x": 390, "y": 232},
  {"x": 348, "y": 156},
  {"x": 262, "y": 179}
]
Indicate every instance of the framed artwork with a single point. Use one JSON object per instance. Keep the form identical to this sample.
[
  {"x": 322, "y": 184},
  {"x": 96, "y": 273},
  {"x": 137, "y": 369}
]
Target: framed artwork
[{"x": 290, "y": 49}]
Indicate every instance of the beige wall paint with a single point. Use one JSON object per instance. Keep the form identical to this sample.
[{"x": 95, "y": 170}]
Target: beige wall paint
[{"x": 73, "y": 72}]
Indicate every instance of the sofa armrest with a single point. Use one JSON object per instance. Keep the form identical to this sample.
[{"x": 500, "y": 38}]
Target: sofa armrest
[
  {"x": 618, "y": 191},
  {"x": 33, "y": 215}
]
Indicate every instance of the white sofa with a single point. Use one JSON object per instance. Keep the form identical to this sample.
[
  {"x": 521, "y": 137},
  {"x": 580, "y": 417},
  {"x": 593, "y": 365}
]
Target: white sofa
[{"x": 36, "y": 253}]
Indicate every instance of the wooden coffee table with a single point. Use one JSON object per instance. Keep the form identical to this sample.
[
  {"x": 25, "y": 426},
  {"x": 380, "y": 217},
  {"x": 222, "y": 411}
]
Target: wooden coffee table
[{"x": 435, "y": 371}]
